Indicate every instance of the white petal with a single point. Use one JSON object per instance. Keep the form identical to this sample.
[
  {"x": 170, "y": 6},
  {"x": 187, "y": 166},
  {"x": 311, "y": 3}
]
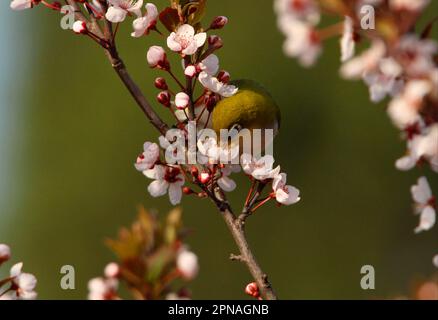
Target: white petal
[
  {"x": 288, "y": 195},
  {"x": 210, "y": 64},
  {"x": 200, "y": 39},
  {"x": 279, "y": 181},
  {"x": 228, "y": 90},
  {"x": 115, "y": 15},
  {"x": 158, "y": 188},
  {"x": 226, "y": 184},
  {"x": 152, "y": 11},
  {"x": 16, "y": 269},
  {"x": 28, "y": 295},
  {"x": 10, "y": 295},
  {"x": 421, "y": 193},
  {"x": 405, "y": 163},
  {"x": 175, "y": 193},
  {"x": 136, "y": 8},
  {"x": 427, "y": 219},
  {"x": 190, "y": 49},
  {"x": 247, "y": 164},
  {"x": 26, "y": 281},
  {"x": 140, "y": 25},
  {"x": 172, "y": 43},
  {"x": 21, "y": 4},
  {"x": 5, "y": 252},
  {"x": 347, "y": 41},
  {"x": 157, "y": 173},
  {"x": 186, "y": 31}
]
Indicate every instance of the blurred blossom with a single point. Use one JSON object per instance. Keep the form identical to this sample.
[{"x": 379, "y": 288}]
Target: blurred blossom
[
  {"x": 424, "y": 201},
  {"x": 187, "y": 264}
]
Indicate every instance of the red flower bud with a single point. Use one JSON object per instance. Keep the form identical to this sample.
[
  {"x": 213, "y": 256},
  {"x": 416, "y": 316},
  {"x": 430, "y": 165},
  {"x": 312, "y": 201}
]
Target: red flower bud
[
  {"x": 160, "y": 83},
  {"x": 194, "y": 170},
  {"x": 164, "y": 98},
  {"x": 252, "y": 290},
  {"x": 204, "y": 177},
  {"x": 56, "y": 5},
  {"x": 210, "y": 102},
  {"x": 80, "y": 27},
  {"x": 219, "y": 22},
  {"x": 215, "y": 42},
  {"x": 188, "y": 191}
]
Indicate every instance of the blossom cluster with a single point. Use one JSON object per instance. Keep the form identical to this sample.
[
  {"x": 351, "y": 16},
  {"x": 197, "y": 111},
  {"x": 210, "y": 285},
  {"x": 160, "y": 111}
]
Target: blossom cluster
[
  {"x": 398, "y": 63},
  {"x": 153, "y": 260},
  {"x": 188, "y": 40},
  {"x": 200, "y": 63},
  {"x": 18, "y": 285}
]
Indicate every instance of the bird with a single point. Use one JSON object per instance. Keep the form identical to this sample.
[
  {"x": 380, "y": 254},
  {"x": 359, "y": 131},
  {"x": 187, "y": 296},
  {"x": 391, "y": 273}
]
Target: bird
[{"x": 252, "y": 107}]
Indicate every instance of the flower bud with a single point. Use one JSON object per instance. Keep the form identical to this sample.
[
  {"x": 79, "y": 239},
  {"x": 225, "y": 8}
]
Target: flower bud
[
  {"x": 80, "y": 27},
  {"x": 210, "y": 102},
  {"x": 56, "y": 5},
  {"x": 219, "y": 22},
  {"x": 5, "y": 253},
  {"x": 187, "y": 264},
  {"x": 223, "y": 76},
  {"x": 187, "y": 191},
  {"x": 204, "y": 177},
  {"x": 190, "y": 71},
  {"x": 112, "y": 270},
  {"x": 215, "y": 42},
  {"x": 164, "y": 98},
  {"x": 160, "y": 83},
  {"x": 252, "y": 290},
  {"x": 194, "y": 171},
  {"x": 182, "y": 100},
  {"x": 157, "y": 58}
]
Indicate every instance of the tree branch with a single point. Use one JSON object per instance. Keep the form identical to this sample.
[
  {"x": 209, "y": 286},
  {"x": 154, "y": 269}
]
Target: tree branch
[
  {"x": 235, "y": 225},
  {"x": 246, "y": 256}
]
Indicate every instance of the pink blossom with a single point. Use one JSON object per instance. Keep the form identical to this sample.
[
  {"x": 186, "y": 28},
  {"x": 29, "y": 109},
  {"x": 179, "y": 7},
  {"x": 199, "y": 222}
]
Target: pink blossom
[
  {"x": 185, "y": 41},
  {"x": 144, "y": 24}
]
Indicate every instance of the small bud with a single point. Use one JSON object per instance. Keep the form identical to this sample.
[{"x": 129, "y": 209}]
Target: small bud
[
  {"x": 56, "y": 5},
  {"x": 164, "y": 98},
  {"x": 187, "y": 264},
  {"x": 252, "y": 290},
  {"x": 215, "y": 42},
  {"x": 223, "y": 76},
  {"x": 204, "y": 177},
  {"x": 182, "y": 100},
  {"x": 219, "y": 22},
  {"x": 157, "y": 58},
  {"x": 5, "y": 253},
  {"x": 188, "y": 191},
  {"x": 80, "y": 27},
  {"x": 160, "y": 83},
  {"x": 210, "y": 102},
  {"x": 112, "y": 270},
  {"x": 190, "y": 71},
  {"x": 194, "y": 171}
]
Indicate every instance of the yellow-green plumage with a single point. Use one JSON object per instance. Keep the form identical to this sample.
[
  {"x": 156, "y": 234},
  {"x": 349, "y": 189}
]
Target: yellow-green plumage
[{"x": 252, "y": 107}]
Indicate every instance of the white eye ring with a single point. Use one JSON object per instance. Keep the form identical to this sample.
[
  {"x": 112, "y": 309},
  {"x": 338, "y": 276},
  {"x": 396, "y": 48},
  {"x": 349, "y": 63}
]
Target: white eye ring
[{"x": 237, "y": 126}]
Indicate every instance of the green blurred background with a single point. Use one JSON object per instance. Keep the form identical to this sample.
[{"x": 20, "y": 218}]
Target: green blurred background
[{"x": 70, "y": 132}]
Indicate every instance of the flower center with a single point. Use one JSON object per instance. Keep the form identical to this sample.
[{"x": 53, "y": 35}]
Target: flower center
[{"x": 172, "y": 174}]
